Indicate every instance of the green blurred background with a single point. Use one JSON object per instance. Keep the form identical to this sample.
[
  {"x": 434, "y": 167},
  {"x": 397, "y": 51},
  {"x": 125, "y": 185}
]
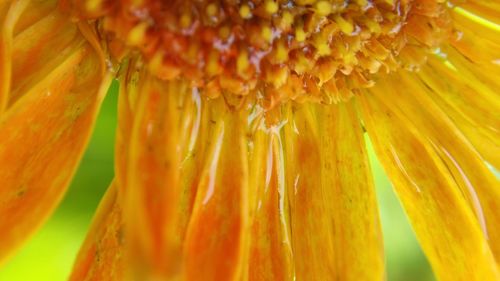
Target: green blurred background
[{"x": 49, "y": 255}]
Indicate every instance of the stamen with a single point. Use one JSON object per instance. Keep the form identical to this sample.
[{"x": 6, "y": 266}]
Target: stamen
[{"x": 274, "y": 46}]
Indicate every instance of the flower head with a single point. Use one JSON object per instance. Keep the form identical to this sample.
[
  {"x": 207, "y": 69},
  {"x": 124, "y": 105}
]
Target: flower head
[{"x": 240, "y": 151}]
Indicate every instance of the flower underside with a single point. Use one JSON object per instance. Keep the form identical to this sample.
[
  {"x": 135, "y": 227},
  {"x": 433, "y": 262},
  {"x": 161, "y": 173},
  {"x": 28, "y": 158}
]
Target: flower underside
[
  {"x": 308, "y": 50},
  {"x": 240, "y": 146}
]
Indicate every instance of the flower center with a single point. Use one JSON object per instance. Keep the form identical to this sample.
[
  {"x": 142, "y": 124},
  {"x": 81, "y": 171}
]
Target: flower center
[{"x": 300, "y": 50}]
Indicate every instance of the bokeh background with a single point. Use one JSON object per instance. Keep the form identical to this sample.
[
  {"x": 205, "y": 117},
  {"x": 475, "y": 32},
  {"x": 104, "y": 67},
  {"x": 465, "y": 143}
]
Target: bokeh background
[{"x": 49, "y": 255}]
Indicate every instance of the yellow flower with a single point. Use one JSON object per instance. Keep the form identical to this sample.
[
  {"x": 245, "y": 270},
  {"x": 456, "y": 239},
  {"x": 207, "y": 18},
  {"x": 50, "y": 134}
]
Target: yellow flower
[{"x": 240, "y": 151}]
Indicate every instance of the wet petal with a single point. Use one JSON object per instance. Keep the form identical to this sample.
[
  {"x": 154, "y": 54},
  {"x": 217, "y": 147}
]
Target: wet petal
[
  {"x": 216, "y": 233},
  {"x": 45, "y": 127},
  {"x": 445, "y": 225},
  {"x": 101, "y": 255}
]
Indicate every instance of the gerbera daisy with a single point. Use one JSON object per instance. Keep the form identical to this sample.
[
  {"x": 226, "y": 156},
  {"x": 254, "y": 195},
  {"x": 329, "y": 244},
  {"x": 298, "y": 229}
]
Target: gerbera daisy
[{"x": 240, "y": 150}]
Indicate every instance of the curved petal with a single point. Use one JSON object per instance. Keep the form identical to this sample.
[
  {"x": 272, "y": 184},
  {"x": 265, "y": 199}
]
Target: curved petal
[
  {"x": 101, "y": 255},
  {"x": 217, "y": 232},
  {"x": 476, "y": 182},
  {"x": 47, "y": 123},
  {"x": 445, "y": 225},
  {"x": 270, "y": 254},
  {"x": 10, "y": 13},
  {"x": 36, "y": 39},
  {"x": 475, "y": 112},
  {"x": 475, "y": 53}
]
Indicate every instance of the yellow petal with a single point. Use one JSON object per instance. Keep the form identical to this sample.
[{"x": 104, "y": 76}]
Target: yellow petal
[
  {"x": 476, "y": 38},
  {"x": 216, "y": 233},
  {"x": 193, "y": 141},
  {"x": 101, "y": 255},
  {"x": 346, "y": 176},
  {"x": 311, "y": 203},
  {"x": 445, "y": 225},
  {"x": 44, "y": 133},
  {"x": 335, "y": 226},
  {"x": 475, "y": 111},
  {"x": 481, "y": 77},
  {"x": 488, "y": 10},
  {"x": 270, "y": 252},
  {"x": 475, "y": 180}
]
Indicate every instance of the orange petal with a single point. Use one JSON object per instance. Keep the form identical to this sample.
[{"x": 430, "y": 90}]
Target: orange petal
[
  {"x": 189, "y": 148},
  {"x": 101, "y": 255},
  {"x": 128, "y": 93},
  {"x": 216, "y": 233},
  {"x": 123, "y": 130},
  {"x": 152, "y": 191},
  {"x": 445, "y": 225},
  {"x": 44, "y": 133}
]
